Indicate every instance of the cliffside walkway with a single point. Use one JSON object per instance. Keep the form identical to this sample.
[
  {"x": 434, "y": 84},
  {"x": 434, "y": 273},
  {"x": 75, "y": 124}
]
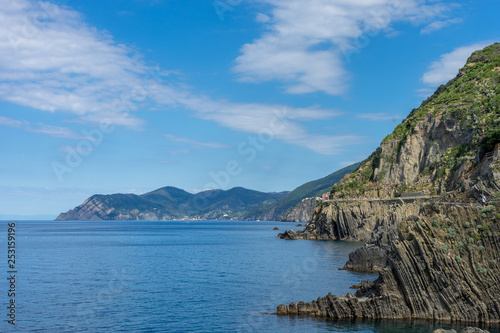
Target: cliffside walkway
[
  {"x": 410, "y": 199},
  {"x": 402, "y": 199}
]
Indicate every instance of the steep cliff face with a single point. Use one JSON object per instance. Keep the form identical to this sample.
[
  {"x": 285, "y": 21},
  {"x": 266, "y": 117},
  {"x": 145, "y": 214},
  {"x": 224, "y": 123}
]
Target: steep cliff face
[
  {"x": 436, "y": 252},
  {"x": 437, "y": 148},
  {"x": 302, "y": 212},
  {"x": 443, "y": 264},
  {"x": 361, "y": 220}
]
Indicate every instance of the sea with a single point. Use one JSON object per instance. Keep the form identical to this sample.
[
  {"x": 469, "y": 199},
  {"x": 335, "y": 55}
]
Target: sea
[{"x": 174, "y": 276}]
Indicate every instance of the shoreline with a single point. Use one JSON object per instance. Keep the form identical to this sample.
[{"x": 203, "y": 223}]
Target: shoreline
[{"x": 421, "y": 280}]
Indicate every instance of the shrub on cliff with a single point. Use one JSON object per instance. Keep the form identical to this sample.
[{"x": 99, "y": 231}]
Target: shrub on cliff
[{"x": 490, "y": 140}]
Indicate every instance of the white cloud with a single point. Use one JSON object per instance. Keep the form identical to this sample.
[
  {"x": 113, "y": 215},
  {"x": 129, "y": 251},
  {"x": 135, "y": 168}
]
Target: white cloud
[
  {"x": 51, "y": 60},
  {"x": 438, "y": 25},
  {"x": 346, "y": 163},
  {"x": 447, "y": 66},
  {"x": 53, "y": 131},
  {"x": 308, "y": 41},
  {"x": 195, "y": 143},
  {"x": 262, "y": 18}
]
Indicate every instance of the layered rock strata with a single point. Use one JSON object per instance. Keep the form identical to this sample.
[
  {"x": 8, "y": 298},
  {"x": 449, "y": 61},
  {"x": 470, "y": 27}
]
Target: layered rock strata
[
  {"x": 443, "y": 265},
  {"x": 302, "y": 212}
]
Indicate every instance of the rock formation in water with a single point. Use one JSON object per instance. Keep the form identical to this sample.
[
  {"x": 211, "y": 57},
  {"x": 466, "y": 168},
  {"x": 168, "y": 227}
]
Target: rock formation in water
[
  {"x": 415, "y": 202},
  {"x": 465, "y": 330},
  {"x": 441, "y": 264}
]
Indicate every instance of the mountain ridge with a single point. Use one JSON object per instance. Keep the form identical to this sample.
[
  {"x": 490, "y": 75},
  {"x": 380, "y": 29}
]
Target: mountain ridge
[{"x": 169, "y": 203}]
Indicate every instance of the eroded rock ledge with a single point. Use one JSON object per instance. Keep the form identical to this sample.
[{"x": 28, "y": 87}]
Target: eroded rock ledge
[{"x": 358, "y": 220}]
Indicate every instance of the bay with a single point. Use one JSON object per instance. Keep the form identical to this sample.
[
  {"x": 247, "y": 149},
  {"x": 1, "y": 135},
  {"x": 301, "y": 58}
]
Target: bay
[{"x": 189, "y": 276}]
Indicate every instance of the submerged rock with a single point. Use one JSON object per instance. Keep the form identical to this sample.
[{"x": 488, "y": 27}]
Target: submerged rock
[
  {"x": 473, "y": 330},
  {"x": 465, "y": 330}
]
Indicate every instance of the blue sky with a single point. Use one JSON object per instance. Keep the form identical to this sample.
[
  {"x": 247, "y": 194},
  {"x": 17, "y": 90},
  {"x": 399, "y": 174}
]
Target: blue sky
[{"x": 133, "y": 95}]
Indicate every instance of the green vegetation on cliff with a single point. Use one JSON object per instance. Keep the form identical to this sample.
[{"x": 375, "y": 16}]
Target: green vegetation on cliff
[{"x": 451, "y": 126}]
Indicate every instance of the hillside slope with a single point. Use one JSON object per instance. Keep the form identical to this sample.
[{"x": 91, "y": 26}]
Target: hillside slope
[
  {"x": 415, "y": 202},
  {"x": 278, "y": 211}
]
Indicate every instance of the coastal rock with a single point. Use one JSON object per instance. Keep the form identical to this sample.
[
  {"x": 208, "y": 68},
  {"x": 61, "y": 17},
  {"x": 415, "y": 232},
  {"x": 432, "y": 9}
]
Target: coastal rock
[
  {"x": 415, "y": 199},
  {"x": 441, "y": 271},
  {"x": 369, "y": 258},
  {"x": 289, "y": 234},
  {"x": 302, "y": 212},
  {"x": 440, "y": 330},
  {"x": 361, "y": 220}
]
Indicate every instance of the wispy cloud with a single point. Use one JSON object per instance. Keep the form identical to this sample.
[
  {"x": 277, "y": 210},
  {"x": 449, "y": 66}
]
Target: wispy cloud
[
  {"x": 378, "y": 117},
  {"x": 53, "y": 131},
  {"x": 438, "y": 25},
  {"x": 177, "y": 151},
  {"x": 444, "y": 69},
  {"x": 282, "y": 123},
  {"x": 306, "y": 41},
  {"x": 195, "y": 143}
]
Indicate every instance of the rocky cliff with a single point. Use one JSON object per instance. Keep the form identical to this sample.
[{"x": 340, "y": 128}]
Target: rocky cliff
[
  {"x": 415, "y": 202},
  {"x": 302, "y": 212},
  {"x": 441, "y": 145},
  {"x": 442, "y": 264},
  {"x": 356, "y": 220}
]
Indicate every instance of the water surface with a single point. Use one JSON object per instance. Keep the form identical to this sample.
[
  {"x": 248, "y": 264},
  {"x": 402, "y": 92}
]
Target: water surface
[{"x": 176, "y": 276}]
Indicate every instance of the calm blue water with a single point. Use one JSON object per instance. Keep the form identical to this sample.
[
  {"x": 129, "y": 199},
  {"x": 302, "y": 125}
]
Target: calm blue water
[{"x": 174, "y": 276}]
